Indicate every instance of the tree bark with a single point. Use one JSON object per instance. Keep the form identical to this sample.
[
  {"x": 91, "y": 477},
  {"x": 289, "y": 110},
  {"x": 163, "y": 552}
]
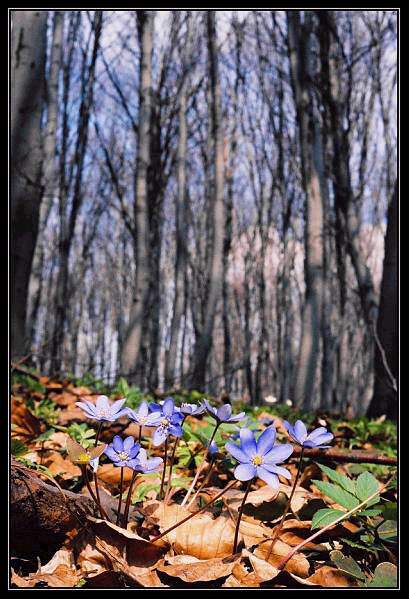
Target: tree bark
[
  {"x": 133, "y": 337},
  {"x": 49, "y": 169},
  {"x": 299, "y": 39},
  {"x": 204, "y": 342},
  {"x": 384, "y": 399},
  {"x": 28, "y": 53}
]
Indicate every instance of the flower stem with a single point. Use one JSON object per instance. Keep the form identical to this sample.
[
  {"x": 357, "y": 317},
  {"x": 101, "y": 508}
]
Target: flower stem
[
  {"x": 199, "y": 470},
  {"x": 128, "y": 500},
  {"x": 91, "y": 492},
  {"x": 140, "y": 434},
  {"x": 172, "y": 458},
  {"x": 236, "y": 532},
  {"x": 120, "y": 496},
  {"x": 202, "y": 509},
  {"x": 287, "y": 507},
  {"x": 289, "y": 555},
  {"x": 164, "y": 469},
  {"x": 95, "y": 474},
  {"x": 205, "y": 480}
]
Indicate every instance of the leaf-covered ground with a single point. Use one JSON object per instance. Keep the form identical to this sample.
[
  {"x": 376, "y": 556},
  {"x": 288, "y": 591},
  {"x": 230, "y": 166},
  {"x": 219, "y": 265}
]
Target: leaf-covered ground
[{"x": 65, "y": 543}]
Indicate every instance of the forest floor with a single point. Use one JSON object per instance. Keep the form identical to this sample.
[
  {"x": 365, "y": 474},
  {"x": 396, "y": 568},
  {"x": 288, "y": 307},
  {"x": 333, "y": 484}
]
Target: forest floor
[{"x": 58, "y": 538}]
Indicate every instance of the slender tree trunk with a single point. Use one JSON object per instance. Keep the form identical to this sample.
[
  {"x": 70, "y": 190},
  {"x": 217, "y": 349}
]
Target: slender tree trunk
[
  {"x": 68, "y": 222},
  {"x": 49, "y": 170},
  {"x": 384, "y": 399},
  {"x": 181, "y": 229},
  {"x": 204, "y": 343},
  {"x": 299, "y": 38},
  {"x": 133, "y": 338},
  {"x": 28, "y": 53}
]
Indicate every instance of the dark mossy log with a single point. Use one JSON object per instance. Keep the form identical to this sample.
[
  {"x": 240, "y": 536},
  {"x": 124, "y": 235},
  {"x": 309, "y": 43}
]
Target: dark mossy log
[{"x": 41, "y": 514}]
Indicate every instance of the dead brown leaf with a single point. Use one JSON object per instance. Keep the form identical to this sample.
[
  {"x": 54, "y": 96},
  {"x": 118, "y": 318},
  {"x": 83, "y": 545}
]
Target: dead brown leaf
[
  {"x": 203, "y": 536},
  {"x": 297, "y": 565},
  {"x": 192, "y": 570},
  {"x": 26, "y": 426},
  {"x": 328, "y": 576},
  {"x": 60, "y": 466}
]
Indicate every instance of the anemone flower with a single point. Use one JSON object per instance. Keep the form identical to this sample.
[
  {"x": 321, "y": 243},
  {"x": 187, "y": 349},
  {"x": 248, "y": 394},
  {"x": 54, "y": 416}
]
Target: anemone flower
[
  {"x": 316, "y": 438},
  {"x": 169, "y": 423},
  {"x": 223, "y": 414},
  {"x": 259, "y": 459},
  {"x": 103, "y": 410},
  {"x": 143, "y": 417},
  {"x": 121, "y": 453}
]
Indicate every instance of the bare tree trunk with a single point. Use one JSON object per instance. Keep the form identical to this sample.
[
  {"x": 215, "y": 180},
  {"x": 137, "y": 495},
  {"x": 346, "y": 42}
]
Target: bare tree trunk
[
  {"x": 204, "y": 342},
  {"x": 384, "y": 399},
  {"x": 299, "y": 38},
  {"x": 133, "y": 338},
  {"x": 49, "y": 170},
  {"x": 68, "y": 222},
  {"x": 181, "y": 230},
  {"x": 28, "y": 53}
]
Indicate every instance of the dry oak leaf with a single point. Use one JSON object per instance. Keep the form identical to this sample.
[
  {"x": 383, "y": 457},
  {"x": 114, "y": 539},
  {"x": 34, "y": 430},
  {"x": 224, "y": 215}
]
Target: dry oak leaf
[
  {"x": 111, "y": 475},
  {"x": 64, "y": 399},
  {"x": 60, "y": 466},
  {"x": 139, "y": 552},
  {"x": 63, "y": 576},
  {"x": 71, "y": 414},
  {"x": 241, "y": 577},
  {"x": 190, "y": 569},
  {"x": 26, "y": 425},
  {"x": 297, "y": 565},
  {"x": 203, "y": 536},
  {"x": 327, "y": 576}
]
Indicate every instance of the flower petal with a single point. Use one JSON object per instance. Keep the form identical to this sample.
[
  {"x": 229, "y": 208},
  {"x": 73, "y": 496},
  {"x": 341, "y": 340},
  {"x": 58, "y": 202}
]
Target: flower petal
[
  {"x": 266, "y": 440},
  {"x": 118, "y": 443},
  {"x": 111, "y": 453},
  {"x": 117, "y": 405},
  {"x": 175, "y": 430},
  {"x": 129, "y": 443},
  {"x": 245, "y": 471},
  {"x": 248, "y": 443},
  {"x": 224, "y": 412},
  {"x": 155, "y": 407},
  {"x": 300, "y": 431},
  {"x": 326, "y": 438},
  {"x": 277, "y": 470},
  {"x": 238, "y": 417},
  {"x": 278, "y": 454},
  {"x": 89, "y": 412},
  {"x": 143, "y": 409},
  {"x": 159, "y": 436},
  {"x": 133, "y": 452},
  {"x": 102, "y": 403},
  {"x": 168, "y": 407},
  {"x": 317, "y": 432},
  {"x": 153, "y": 419},
  {"x": 237, "y": 453},
  {"x": 268, "y": 477}
]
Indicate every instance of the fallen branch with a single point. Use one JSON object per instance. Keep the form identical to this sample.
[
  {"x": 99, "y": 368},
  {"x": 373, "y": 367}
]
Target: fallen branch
[
  {"x": 345, "y": 456},
  {"x": 41, "y": 514}
]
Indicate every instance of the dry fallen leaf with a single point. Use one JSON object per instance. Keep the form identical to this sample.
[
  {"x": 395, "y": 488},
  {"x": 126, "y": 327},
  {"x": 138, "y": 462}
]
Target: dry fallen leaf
[
  {"x": 25, "y": 425},
  {"x": 328, "y": 576},
  {"x": 203, "y": 536},
  {"x": 60, "y": 571},
  {"x": 193, "y": 570},
  {"x": 297, "y": 565}
]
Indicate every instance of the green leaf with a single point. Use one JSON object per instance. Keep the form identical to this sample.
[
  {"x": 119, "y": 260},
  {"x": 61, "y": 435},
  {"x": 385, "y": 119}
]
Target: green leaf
[
  {"x": 390, "y": 510},
  {"x": 337, "y": 494},
  {"x": 18, "y": 448},
  {"x": 370, "y": 513},
  {"x": 324, "y": 517},
  {"x": 366, "y": 485},
  {"x": 347, "y": 564},
  {"x": 356, "y": 545},
  {"x": 388, "y": 530},
  {"x": 343, "y": 481},
  {"x": 385, "y": 576}
]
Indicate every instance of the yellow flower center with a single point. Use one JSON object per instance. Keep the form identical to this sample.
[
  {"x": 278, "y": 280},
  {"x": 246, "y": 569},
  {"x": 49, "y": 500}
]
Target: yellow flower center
[
  {"x": 257, "y": 460},
  {"x": 123, "y": 456},
  {"x": 83, "y": 458},
  {"x": 164, "y": 422}
]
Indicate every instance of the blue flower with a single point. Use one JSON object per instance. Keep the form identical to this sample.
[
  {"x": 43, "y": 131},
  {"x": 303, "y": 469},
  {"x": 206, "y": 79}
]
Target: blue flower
[
  {"x": 169, "y": 422},
  {"x": 122, "y": 453},
  {"x": 260, "y": 458},
  {"x": 223, "y": 414},
  {"x": 103, "y": 410},
  {"x": 142, "y": 416},
  {"x": 190, "y": 409},
  {"x": 142, "y": 464},
  {"x": 299, "y": 435}
]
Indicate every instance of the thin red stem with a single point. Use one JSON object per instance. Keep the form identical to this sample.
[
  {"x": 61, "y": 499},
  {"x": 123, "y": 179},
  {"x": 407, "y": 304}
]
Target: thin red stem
[
  {"x": 236, "y": 532},
  {"x": 164, "y": 469},
  {"x": 120, "y": 496}
]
